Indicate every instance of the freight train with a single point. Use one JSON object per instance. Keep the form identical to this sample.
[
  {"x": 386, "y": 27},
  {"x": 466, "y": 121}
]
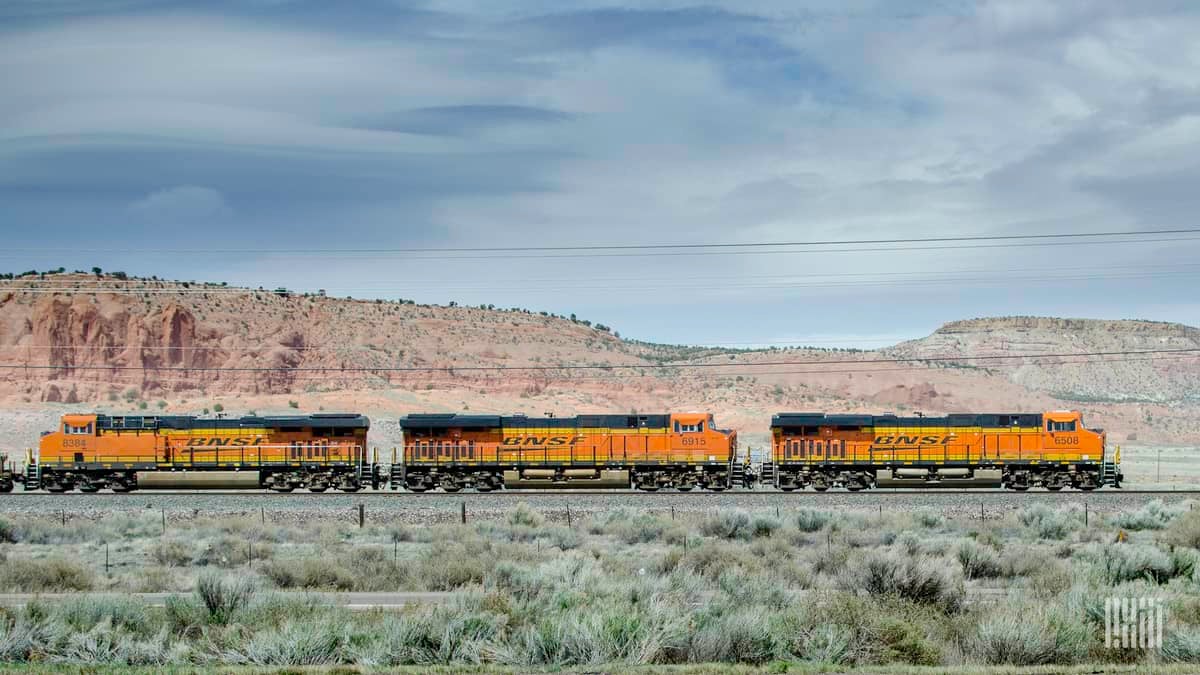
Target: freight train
[
  {"x": 679, "y": 451},
  {"x": 92, "y": 452},
  {"x": 1017, "y": 451},
  {"x": 487, "y": 452}
]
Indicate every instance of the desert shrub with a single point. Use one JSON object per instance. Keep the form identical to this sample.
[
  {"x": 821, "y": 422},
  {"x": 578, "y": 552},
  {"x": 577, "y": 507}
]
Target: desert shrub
[
  {"x": 319, "y": 642},
  {"x": 712, "y": 558},
  {"x": 1154, "y": 515},
  {"x": 1023, "y": 561},
  {"x": 763, "y": 526},
  {"x": 21, "y": 639},
  {"x": 314, "y": 573},
  {"x": 1119, "y": 563},
  {"x": 222, "y": 597},
  {"x": 915, "y": 578},
  {"x": 640, "y": 529},
  {"x": 599, "y": 633},
  {"x": 809, "y": 520},
  {"x": 47, "y": 574},
  {"x": 8, "y": 534},
  {"x": 1184, "y": 530},
  {"x": 1051, "y": 579},
  {"x": 1181, "y": 646},
  {"x": 1030, "y": 635},
  {"x": 172, "y": 552},
  {"x": 374, "y": 569},
  {"x": 233, "y": 552},
  {"x": 85, "y": 612},
  {"x": 904, "y": 641},
  {"x": 978, "y": 562},
  {"x": 1048, "y": 523},
  {"x": 525, "y": 516},
  {"x": 929, "y": 519},
  {"x": 727, "y": 525},
  {"x": 742, "y": 636},
  {"x": 446, "y": 567},
  {"x": 439, "y": 636},
  {"x": 108, "y": 645},
  {"x": 154, "y": 579},
  {"x": 910, "y": 543},
  {"x": 831, "y": 559},
  {"x": 565, "y": 538}
]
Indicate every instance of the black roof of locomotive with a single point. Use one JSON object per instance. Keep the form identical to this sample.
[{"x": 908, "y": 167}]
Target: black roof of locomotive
[
  {"x": 809, "y": 419},
  {"x": 145, "y": 422},
  {"x": 455, "y": 421}
]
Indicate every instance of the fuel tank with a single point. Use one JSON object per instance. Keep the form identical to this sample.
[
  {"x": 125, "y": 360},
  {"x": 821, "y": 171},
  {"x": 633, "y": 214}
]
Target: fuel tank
[
  {"x": 198, "y": 480},
  {"x": 571, "y": 479},
  {"x": 915, "y": 477}
]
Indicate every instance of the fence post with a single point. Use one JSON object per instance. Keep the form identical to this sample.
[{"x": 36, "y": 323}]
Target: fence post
[
  {"x": 164, "y": 520},
  {"x": 105, "y": 559},
  {"x": 1085, "y": 514},
  {"x": 362, "y": 515},
  {"x": 981, "y": 517},
  {"x": 568, "y": 515},
  {"x": 263, "y": 513},
  {"x": 64, "y": 517},
  {"x": 463, "y": 512}
]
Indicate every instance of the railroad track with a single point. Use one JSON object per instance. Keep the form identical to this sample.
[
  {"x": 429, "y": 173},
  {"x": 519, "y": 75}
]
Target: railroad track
[{"x": 385, "y": 494}]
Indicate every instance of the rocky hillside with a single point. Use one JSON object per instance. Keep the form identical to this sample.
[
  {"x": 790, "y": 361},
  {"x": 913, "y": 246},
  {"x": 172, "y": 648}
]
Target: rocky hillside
[
  {"x": 78, "y": 341},
  {"x": 1110, "y": 377}
]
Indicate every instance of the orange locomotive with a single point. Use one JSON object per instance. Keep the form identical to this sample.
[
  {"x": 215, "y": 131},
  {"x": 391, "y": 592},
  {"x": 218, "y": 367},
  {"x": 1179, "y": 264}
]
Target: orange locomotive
[
  {"x": 488, "y": 452},
  {"x": 91, "y": 452},
  {"x": 1017, "y": 451}
]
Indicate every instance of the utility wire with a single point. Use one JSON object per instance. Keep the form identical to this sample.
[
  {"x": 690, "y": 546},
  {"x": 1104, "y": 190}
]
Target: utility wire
[
  {"x": 605, "y": 367},
  {"x": 644, "y": 247},
  {"x": 557, "y": 378}
]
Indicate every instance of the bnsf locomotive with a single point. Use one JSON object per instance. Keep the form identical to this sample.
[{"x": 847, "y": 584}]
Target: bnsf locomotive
[
  {"x": 91, "y": 452},
  {"x": 683, "y": 451},
  {"x": 1018, "y": 451},
  {"x": 488, "y": 452}
]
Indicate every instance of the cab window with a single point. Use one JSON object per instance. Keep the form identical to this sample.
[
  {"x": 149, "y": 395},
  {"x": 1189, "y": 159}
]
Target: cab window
[
  {"x": 1060, "y": 426},
  {"x": 688, "y": 428},
  {"x": 72, "y": 430}
]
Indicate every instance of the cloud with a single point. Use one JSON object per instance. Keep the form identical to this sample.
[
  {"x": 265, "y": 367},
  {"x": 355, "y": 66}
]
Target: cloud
[
  {"x": 467, "y": 123},
  {"x": 182, "y": 205}
]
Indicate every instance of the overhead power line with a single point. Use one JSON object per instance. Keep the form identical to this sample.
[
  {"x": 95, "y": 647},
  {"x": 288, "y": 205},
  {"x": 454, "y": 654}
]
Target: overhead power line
[
  {"x": 180, "y": 377},
  {"x": 636, "y": 247},
  {"x": 602, "y": 367}
]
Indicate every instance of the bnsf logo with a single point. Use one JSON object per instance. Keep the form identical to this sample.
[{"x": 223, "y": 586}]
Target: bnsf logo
[
  {"x": 539, "y": 441},
  {"x": 914, "y": 440},
  {"x": 222, "y": 442}
]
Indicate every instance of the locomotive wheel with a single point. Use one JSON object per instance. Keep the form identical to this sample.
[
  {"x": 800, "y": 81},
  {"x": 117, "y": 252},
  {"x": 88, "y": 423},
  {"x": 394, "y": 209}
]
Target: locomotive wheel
[
  {"x": 1054, "y": 488},
  {"x": 119, "y": 486},
  {"x": 820, "y": 488},
  {"x": 317, "y": 488},
  {"x": 684, "y": 488},
  {"x": 89, "y": 487},
  {"x": 1019, "y": 488}
]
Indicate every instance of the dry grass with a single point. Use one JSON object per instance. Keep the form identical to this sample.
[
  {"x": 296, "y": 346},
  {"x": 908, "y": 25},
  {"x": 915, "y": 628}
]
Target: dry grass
[{"x": 815, "y": 589}]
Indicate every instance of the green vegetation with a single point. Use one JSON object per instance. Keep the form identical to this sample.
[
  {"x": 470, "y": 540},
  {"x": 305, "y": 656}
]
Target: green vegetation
[{"x": 792, "y": 591}]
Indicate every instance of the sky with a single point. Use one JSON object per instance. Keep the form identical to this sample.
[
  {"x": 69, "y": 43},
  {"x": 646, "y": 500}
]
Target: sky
[{"x": 313, "y": 145}]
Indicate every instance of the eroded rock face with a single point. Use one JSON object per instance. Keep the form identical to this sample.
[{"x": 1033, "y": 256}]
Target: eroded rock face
[{"x": 177, "y": 342}]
